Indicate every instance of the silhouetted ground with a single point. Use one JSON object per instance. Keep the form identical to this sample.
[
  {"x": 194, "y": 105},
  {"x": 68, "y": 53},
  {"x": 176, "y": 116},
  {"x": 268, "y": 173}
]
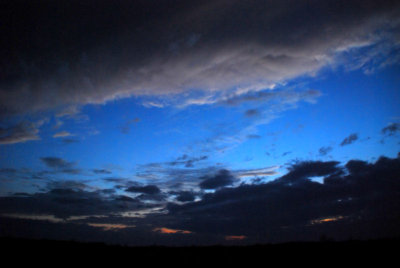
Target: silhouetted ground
[{"x": 380, "y": 252}]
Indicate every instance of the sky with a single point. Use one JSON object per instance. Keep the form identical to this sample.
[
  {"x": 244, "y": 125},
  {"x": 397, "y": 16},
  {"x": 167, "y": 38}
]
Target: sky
[{"x": 200, "y": 122}]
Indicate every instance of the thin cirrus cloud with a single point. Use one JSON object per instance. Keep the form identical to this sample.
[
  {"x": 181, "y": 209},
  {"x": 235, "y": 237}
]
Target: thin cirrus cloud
[
  {"x": 229, "y": 47},
  {"x": 62, "y": 134}
]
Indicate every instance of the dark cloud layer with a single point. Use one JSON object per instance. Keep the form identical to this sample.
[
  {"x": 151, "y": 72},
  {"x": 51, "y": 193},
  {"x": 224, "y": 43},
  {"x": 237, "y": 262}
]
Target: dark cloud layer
[
  {"x": 148, "y": 189},
  {"x": 221, "y": 179},
  {"x": 362, "y": 203},
  {"x": 57, "y": 54},
  {"x": 359, "y": 200}
]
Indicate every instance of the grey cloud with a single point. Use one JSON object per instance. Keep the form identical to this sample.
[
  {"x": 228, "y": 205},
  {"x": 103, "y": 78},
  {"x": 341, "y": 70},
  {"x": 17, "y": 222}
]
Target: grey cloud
[
  {"x": 252, "y": 112},
  {"x": 349, "y": 140},
  {"x": 391, "y": 129},
  {"x": 325, "y": 150},
  {"x": 60, "y": 165},
  {"x": 64, "y": 203},
  {"x": 221, "y": 48},
  {"x": 221, "y": 179},
  {"x": 69, "y": 141},
  {"x": 353, "y": 203},
  {"x": 56, "y": 162},
  {"x": 22, "y": 132},
  {"x": 101, "y": 171},
  {"x": 148, "y": 189},
  {"x": 186, "y": 196}
]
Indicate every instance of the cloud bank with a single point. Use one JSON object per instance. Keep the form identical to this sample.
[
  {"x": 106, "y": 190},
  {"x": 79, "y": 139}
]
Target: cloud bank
[{"x": 189, "y": 53}]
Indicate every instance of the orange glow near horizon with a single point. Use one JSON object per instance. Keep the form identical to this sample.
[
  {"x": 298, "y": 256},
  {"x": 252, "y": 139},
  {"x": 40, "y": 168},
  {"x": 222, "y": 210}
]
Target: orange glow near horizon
[
  {"x": 164, "y": 230},
  {"x": 109, "y": 226},
  {"x": 330, "y": 219},
  {"x": 235, "y": 237}
]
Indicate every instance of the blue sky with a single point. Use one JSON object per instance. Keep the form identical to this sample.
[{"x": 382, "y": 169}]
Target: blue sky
[{"x": 206, "y": 109}]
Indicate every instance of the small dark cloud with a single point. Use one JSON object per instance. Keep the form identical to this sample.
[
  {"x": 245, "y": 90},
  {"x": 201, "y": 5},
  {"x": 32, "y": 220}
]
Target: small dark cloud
[
  {"x": 391, "y": 129},
  {"x": 148, "y": 189},
  {"x": 185, "y": 196},
  {"x": 221, "y": 179},
  {"x": 252, "y": 113},
  {"x": 125, "y": 129},
  {"x": 325, "y": 150},
  {"x": 307, "y": 169},
  {"x": 286, "y": 153},
  {"x": 101, "y": 171},
  {"x": 350, "y": 139},
  {"x": 69, "y": 141},
  {"x": 60, "y": 165},
  {"x": 268, "y": 96},
  {"x": 187, "y": 161},
  {"x": 254, "y": 136},
  {"x": 125, "y": 198},
  {"x": 56, "y": 163}
]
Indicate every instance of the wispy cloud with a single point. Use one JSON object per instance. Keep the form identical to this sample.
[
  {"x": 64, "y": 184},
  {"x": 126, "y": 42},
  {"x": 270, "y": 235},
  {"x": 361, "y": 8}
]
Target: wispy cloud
[
  {"x": 19, "y": 133},
  {"x": 62, "y": 134},
  {"x": 350, "y": 139}
]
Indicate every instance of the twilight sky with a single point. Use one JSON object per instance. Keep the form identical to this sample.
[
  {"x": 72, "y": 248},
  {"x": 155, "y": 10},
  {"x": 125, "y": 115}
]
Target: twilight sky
[{"x": 200, "y": 122}]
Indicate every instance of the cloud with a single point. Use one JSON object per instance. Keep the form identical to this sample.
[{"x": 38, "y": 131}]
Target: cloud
[
  {"x": 64, "y": 203},
  {"x": 62, "y": 134},
  {"x": 186, "y": 196},
  {"x": 101, "y": 171},
  {"x": 56, "y": 162},
  {"x": 251, "y": 112},
  {"x": 351, "y": 202},
  {"x": 125, "y": 129},
  {"x": 325, "y": 150},
  {"x": 262, "y": 172},
  {"x": 148, "y": 189},
  {"x": 221, "y": 179},
  {"x": 219, "y": 49},
  {"x": 69, "y": 141},
  {"x": 357, "y": 199},
  {"x": 187, "y": 161},
  {"x": 60, "y": 165},
  {"x": 22, "y": 132},
  {"x": 349, "y": 140},
  {"x": 391, "y": 129}
]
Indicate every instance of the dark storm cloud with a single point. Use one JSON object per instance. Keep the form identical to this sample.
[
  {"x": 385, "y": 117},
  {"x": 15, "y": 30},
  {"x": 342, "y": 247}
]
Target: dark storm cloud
[
  {"x": 349, "y": 140},
  {"x": 362, "y": 202},
  {"x": 391, "y": 129},
  {"x": 221, "y": 179},
  {"x": 148, "y": 189},
  {"x": 21, "y": 132},
  {"x": 57, "y": 55}
]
